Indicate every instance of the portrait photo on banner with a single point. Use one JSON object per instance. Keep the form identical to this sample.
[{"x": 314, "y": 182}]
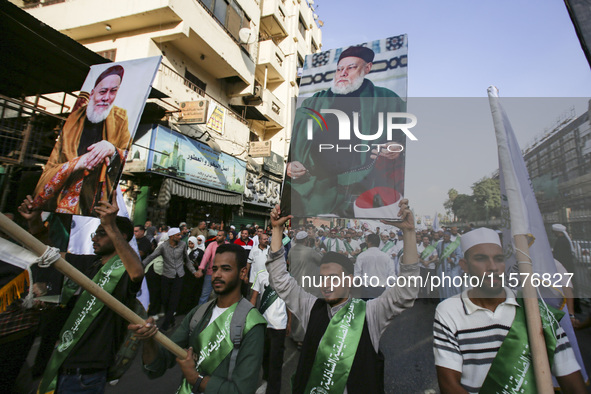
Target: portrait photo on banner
[
  {"x": 346, "y": 157},
  {"x": 88, "y": 157}
]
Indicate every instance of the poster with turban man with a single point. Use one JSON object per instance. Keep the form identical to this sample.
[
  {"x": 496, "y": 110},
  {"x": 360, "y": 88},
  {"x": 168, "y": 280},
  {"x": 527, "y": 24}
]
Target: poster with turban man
[
  {"x": 87, "y": 160},
  {"x": 349, "y": 135}
]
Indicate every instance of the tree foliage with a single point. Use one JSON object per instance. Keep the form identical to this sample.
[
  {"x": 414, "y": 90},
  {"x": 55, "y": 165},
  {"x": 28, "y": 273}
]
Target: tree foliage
[{"x": 484, "y": 202}]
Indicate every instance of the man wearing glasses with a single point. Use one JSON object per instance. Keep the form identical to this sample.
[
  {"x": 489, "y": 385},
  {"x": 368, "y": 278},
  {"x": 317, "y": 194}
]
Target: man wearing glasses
[{"x": 91, "y": 333}]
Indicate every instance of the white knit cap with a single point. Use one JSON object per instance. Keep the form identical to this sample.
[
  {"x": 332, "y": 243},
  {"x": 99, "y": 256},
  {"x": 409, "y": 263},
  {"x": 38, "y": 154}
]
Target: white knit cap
[
  {"x": 173, "y": 231},
  {"x": 479, "y": 236},
  {"x": 558, "y": 227},
  {"x": 301, "y": 235}
]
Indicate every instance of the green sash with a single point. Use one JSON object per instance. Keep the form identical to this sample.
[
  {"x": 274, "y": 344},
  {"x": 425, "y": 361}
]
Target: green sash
[
  {"x": 427, "y": 252},
  {"x": 388, "y": 246},
  {"x": 214, "y": 344},
  {"x": 286, "y": 240},
  {"x": 450, "y": 248},
  {"x": 337, "y": 349},
  {"x": 329, "y": 244},
  {"x": 511, "y": 370},
  {"x": 85, "y": 311},
  {"x": 348, "y": 247},
  {"x": 268, "y": 298}
]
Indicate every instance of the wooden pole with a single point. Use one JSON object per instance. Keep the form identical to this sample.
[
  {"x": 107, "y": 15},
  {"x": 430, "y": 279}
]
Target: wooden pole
[
  {"x": 16, "y": 232},
  {"x": 535, "y": 332}
]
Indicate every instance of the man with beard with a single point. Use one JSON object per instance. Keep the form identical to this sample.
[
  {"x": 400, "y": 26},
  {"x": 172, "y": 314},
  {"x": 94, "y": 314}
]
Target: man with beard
[
  {"x": 338, "y": 321},
  {"x": 205, "y": 268},
  {"x": 328, "y": 182},
  {"x": 480, "y": 336},
  {"x": 88, "y": 155},
  {"x": 212, "y": 374},
  {"x": 92, "y": 333}
]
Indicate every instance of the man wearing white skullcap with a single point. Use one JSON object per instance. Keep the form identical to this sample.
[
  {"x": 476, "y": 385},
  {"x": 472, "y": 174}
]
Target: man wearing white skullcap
[
  {"x": 563, "y": 248},
  {"x": 174, "y": 254},
  {"x": 479, "y": 335}
]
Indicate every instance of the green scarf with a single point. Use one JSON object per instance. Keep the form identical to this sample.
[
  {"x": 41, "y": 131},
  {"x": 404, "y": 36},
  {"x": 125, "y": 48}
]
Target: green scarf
[
  {"x": 389, "y": 245},
  {"x": 268, "y": 298},
  {"x": 337, "y": 350},
  {"x": 214, "y": 344},
  {"x": 427, "y": 251},
  {"x": 85, "y": 311},
  {"x": 329, "y": 244},
  {"x": 511, "y": 370},
  {"x": 449, "y": 249}
]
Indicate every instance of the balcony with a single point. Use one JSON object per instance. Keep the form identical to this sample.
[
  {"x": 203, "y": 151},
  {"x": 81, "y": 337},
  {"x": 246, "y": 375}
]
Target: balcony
[
  {"x": 187, "y": 25},
  {"x": 270, "y": 58},
  {"x": 273, "y": 18},
  {"x": 265, "y": 107}
]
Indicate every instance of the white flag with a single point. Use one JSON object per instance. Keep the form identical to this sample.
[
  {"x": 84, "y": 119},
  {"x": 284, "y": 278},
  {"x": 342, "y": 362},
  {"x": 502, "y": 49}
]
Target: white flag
[{"x": 518, "y": 198}]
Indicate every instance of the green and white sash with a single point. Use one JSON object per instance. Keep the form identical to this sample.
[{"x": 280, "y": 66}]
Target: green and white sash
[
  {"x": 348, "y": 247},
  {"x": 449, "y": 249},
  {"x": 85, "y": 311},
  {"x": 389, "y": 245},
  {"x": 267, "y": 299},
  {"x": 329, "y": 244},
  {"x": 427, "y": 252},
  {"x": 337, "y": 349},
  {"x": 214, "y": 344},
  {"x": 512, "y": 370}
]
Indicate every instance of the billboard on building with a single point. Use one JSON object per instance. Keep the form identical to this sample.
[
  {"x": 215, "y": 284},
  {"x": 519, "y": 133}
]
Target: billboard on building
[
  {"x": 178, "y": 156},
  {"x": 346, "y": 155},
  {"x": 87, "y": 160},
  {"x": 261, "y": 190}
]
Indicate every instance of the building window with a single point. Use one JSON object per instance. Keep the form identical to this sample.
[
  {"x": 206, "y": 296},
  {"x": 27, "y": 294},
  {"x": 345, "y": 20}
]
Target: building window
[
  {"x": 302, "y": 27},
  {"x": 194, "y": 83},
  {"x": 108, "y": 54},
  {"x": 229, "y": 14},
  {"x": 314, "y": 47}
]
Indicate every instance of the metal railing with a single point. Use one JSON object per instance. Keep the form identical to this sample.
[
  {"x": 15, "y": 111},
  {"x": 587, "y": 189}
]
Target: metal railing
[{"x": 19, "y": 123}]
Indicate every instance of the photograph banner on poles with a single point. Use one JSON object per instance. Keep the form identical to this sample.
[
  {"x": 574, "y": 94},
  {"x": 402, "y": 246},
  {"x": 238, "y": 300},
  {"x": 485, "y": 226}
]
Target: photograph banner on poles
[
  {"x": 87, "y": 160},
  {"x": 346, "y": 157}
]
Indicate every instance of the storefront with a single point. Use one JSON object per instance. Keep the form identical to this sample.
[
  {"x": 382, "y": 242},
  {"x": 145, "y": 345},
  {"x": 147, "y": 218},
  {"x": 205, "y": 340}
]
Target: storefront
[{"x": 183, "y": 180}]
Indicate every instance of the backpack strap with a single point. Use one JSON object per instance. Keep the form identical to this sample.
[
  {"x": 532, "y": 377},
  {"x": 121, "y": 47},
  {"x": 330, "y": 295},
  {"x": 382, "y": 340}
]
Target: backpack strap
[
  {"x": 236, "y": 329},
  {"x": 198, "y": 315}
]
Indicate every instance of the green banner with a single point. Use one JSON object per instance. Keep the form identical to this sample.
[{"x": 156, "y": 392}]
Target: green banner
[
  {"x": 85, "y": 311},
  {"x": 337, "y": 350}
]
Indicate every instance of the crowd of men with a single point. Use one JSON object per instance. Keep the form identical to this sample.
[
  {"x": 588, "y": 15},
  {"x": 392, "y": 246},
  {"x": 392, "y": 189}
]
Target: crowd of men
[{"x": 243, "y": 291}]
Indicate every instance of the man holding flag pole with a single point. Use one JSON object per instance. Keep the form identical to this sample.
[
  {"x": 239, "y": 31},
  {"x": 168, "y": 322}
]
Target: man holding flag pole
[{"x": 486, "y": 340}]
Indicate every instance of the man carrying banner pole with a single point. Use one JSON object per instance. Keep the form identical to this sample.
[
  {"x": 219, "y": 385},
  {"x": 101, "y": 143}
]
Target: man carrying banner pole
[
  {"x": 52, "y": 257},
  {"x": 519, "y": 195}
]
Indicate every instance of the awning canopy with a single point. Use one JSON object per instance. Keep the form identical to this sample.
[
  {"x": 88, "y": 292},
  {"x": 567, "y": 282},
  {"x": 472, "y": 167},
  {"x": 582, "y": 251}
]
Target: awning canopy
[
  {"x": 37, "y": 59},
  {"x": 195, "y": 192}
]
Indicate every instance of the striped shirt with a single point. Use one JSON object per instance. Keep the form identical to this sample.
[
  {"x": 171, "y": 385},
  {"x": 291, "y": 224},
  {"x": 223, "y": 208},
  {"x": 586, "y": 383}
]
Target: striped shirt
[{"x": 466, "y": 338}]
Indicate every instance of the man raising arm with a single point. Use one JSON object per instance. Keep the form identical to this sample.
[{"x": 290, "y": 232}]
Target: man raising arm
[{"x": 329, "y": 323}]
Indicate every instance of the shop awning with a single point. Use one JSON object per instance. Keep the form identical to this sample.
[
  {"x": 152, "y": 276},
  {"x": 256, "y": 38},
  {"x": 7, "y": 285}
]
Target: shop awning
[{"x": 195, "y": 192}]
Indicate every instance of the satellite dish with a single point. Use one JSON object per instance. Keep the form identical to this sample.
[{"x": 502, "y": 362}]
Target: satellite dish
[{"x": 246, "y": 36}]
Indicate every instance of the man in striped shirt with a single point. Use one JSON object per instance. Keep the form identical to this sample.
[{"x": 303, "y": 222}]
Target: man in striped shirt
[{"x": 470, "y": 327}]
